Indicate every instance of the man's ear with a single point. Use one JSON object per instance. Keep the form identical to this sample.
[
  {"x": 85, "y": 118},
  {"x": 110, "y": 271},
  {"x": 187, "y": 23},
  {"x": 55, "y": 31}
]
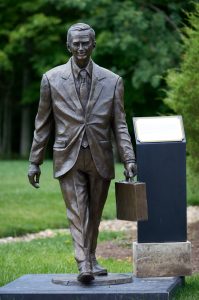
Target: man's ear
[
  {"x": 94, "y": 44},
  {"x": 68, "y": 47}
]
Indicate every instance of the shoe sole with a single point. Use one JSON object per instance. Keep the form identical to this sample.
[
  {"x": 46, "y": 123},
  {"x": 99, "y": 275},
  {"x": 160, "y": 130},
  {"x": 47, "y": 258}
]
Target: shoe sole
[
  {"x": 85, "y": 278},
  {"x": 101, "y": 273}
]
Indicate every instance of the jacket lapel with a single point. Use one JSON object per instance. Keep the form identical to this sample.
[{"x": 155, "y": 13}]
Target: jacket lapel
[
  {"x": 96, "y": 88},
  {"x": 68, "y": 85}
]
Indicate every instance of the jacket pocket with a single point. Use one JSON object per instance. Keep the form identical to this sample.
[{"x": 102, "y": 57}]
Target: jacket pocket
[
  {"x": 106, "y": 144},
  {"x": 59, "y": 144}
]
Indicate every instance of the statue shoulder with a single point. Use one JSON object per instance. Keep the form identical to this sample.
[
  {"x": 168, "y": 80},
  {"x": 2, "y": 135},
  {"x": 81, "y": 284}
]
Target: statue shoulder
[
  {"x": 57, "y": 71},
  {"x": 105, "y": 72}
]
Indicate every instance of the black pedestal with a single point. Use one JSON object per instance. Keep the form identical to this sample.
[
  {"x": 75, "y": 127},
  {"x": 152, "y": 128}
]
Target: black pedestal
[
  {"x": 40, "y": 287},
  {"x": 162, "y": 166}
]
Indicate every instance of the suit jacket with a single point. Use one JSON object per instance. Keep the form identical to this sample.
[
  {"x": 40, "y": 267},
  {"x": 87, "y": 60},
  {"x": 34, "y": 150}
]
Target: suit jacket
[{"x": 59, "y": 104}]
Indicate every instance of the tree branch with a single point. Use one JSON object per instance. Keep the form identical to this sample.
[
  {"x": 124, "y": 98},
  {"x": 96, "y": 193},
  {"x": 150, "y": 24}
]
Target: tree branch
[{"x": 155, "y": 8}]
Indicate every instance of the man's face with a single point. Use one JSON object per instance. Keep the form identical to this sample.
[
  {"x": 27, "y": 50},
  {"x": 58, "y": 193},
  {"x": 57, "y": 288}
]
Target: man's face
[{"x": 81, "y": 46}]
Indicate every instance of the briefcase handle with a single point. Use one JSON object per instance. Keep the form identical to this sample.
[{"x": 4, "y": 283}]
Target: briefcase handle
[{"x": 130, "y": 179}]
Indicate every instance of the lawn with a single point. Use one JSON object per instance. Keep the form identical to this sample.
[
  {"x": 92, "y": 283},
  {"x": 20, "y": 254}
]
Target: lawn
[
  {"x": 25, "y": 209},
  {"x": 55, "y": 255},
  {"x": 49, "y": 255},
  {"x": 190, "y": 291}
]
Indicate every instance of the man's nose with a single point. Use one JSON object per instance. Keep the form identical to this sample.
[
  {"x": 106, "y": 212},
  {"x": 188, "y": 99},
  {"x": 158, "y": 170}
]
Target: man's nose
[{"x": 80, "y": 46}]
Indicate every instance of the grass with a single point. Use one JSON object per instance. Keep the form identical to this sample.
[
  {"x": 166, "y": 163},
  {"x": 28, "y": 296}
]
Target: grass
[
  {"x": 55, "y": 255},
  {"x": 190, "y": 291},
  {"x": 24, "y": 209},
  {"x": 50, "y": 255},
  {"x": 192, "y": 187}
]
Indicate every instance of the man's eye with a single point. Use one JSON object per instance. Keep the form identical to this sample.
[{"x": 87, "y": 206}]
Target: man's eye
[{"x": 75, "y": 44}]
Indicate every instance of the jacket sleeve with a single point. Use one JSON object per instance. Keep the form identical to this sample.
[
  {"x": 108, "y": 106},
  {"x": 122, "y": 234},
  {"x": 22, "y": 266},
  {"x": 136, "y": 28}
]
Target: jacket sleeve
[
  {"x": 43, "y": 123},
  {"x": 119, "y": 125}
]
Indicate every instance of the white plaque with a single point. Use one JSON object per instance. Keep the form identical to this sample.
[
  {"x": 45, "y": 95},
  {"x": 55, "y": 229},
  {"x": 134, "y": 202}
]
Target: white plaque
[{"x": 159, "y": 129}]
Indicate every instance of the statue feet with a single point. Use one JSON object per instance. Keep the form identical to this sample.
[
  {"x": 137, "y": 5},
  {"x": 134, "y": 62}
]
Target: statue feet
[
  {"x": 97, "y": 269},
  {"x": 86, "y": 275}
]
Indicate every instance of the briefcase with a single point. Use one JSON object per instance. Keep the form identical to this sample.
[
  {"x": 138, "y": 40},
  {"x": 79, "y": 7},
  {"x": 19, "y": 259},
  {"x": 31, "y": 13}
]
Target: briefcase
[{"x": 131, "y": 200}]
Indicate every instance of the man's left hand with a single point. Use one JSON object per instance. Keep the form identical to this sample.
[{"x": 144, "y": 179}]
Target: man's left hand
[{"x": 130, "y": 170}]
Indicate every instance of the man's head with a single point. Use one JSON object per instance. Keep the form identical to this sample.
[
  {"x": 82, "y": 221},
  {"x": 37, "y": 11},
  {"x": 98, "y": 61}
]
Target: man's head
[{"x": 81, "y": 42}]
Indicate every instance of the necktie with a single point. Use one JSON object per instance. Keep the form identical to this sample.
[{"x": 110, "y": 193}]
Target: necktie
[
  {"x": 83, "y": 95},
  {"x": 83, "y": 90}
]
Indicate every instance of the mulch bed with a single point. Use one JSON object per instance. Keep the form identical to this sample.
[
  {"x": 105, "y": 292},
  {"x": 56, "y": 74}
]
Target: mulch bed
[
  {"x": 193, "y": 237},
  {"x": 123, "y": 249}
]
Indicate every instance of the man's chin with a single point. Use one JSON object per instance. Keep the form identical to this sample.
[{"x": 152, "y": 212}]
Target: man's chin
[{"x": 82, "y": 57}]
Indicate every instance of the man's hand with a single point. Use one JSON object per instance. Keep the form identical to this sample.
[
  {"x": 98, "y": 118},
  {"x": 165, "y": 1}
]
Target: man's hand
[
  {"x": 34, "y": 174},
  {"x": 130, "y": 170}
]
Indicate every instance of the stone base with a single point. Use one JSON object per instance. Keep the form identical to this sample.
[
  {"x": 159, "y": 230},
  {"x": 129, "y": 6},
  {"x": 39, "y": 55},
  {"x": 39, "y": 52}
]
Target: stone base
[
  {"x": 40, "y": 287},
  {"x": 111, "y": 279},
  {"x": 162, "y": 259}
]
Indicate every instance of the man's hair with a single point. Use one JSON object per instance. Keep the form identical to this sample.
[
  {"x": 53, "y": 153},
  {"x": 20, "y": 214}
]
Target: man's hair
[{"x": 80, "y": 27}]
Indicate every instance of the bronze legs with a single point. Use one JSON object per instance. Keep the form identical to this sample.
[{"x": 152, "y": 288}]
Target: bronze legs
[{"x": 85, "y": 193}]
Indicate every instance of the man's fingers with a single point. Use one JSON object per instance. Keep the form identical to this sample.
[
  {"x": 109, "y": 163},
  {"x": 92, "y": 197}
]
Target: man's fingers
[
  {"x": 125, "y": 174},
  {"x": 128, "y": 174},
  {"x": 31, "y": 178},
  {"x": 37, "y": 177},
  {"x": 36, "y": 185},
  {"x": 37, "y": 180},
  {"x": 135, "y": 171},
  {"x": 34, "y": 181},
  {"x": 130, "y": 170}
]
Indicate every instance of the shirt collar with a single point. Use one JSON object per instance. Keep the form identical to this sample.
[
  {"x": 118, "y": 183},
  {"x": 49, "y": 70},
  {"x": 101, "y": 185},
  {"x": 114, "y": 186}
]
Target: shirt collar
[{"x": 76, "y": 69}]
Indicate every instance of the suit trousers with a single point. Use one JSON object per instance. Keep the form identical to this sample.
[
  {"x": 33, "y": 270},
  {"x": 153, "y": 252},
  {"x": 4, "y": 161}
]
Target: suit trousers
[{"x": 84, "y": 192}]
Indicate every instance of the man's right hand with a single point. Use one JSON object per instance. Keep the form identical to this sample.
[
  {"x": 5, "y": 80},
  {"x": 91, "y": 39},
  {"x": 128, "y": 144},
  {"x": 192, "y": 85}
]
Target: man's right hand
[{"x": 34, "y": 174}]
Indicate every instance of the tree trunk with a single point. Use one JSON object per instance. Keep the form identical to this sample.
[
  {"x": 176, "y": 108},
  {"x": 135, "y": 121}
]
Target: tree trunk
[
  {"x": 25, "y": 132},
  {"x": 25, "y": 139},
  {"x": 7, "y": 126}
]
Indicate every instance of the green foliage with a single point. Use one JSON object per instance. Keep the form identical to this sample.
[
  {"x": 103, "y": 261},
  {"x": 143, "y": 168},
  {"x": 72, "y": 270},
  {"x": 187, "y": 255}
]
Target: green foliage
[
  {"x": 5, "y": 63},
  {"x": 183, "y": 94},
  {"x": 139, "y": 40}
]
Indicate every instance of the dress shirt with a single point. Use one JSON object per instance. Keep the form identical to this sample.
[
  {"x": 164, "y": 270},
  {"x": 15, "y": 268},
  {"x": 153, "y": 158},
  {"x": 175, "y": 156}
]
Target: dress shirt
[{"x": 77, "y": 77}]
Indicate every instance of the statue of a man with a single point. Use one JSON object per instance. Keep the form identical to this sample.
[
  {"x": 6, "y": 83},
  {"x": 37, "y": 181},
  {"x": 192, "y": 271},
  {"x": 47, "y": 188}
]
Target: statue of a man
[{"x": 85, "y": 103}]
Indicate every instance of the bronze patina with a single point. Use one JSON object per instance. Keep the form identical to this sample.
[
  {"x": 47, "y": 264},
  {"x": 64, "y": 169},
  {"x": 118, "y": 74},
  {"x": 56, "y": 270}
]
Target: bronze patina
[{"x": 85, "y": 103}]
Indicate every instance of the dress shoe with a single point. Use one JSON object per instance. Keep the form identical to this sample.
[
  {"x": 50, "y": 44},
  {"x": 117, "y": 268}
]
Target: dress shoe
[
  {"x": 86, "y": 274},
  {"x": 97, "y": 269}
]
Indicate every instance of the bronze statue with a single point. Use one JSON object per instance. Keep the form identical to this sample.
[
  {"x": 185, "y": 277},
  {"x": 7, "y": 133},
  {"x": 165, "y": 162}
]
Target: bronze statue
[{"x": 85, "y": 103}]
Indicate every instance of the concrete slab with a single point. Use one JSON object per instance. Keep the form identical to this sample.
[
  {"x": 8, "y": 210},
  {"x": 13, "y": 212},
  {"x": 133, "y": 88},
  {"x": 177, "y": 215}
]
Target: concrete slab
[
  {"x": 162, "y": 259},
  {"x": 40, "y": 287}
]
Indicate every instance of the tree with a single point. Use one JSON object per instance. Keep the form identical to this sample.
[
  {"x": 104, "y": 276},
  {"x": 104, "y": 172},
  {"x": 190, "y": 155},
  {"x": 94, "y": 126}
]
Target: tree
[
  {"x": 26, "y": 37},
  {"x": 183, "y": 93},
  {"x": 138, "y": 39}
]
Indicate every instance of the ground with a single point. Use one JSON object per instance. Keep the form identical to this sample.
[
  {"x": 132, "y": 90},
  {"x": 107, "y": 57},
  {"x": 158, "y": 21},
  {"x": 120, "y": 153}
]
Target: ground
[
  {"x": 123, "y": 249},
  {"x": 193, "y": 237}
]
